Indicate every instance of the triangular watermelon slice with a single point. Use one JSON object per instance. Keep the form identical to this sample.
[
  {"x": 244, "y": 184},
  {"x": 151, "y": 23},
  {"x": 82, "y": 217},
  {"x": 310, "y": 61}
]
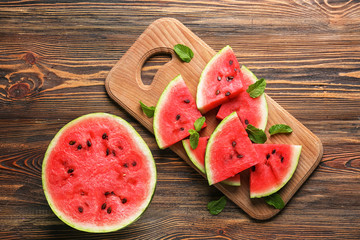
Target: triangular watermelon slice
[
  {"x": 175, "y": 114},
  {"x": 197, "y": 157},
  {"x": 229, "y": 150},
  {"x": 278, "y": 164},
  {"x": 220, "y": 80},
  {"x": 252, "y": 111}
]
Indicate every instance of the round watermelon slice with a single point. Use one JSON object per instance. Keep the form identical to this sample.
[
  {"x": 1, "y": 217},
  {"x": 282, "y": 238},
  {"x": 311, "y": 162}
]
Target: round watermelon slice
[
  {"x": 98, "y": 174},
  {"x": 252, "y": 111},
  {"x": 229, "y": 150},
  {"x": 278, "y": 164},
  {"x": 197, "y": 157},
  {"x": 175, "y": 114},
  {"x": 220, "y": 80}
]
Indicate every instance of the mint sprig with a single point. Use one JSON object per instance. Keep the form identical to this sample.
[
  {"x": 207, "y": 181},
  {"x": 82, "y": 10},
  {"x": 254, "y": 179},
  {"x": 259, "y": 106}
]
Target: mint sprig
[
  {"x": 275, "y": 200},
  {"x": 257, "y": 88},
  {"x": 184, "y": 52},
  {"x": 256, "y": 135},
  {"x": 149, "y": 111},
  {"x": 199, "y": 123},
  {"x": 280, "y": 128},
  {"x": 194, "y": 135},
  {"x": 215, "y": 207}
]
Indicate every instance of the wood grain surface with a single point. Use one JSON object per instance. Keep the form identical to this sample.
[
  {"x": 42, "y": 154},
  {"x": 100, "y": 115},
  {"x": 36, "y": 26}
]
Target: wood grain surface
[
  {"x": 56, "y": 55},
  {"x": 125, "y": 86}
]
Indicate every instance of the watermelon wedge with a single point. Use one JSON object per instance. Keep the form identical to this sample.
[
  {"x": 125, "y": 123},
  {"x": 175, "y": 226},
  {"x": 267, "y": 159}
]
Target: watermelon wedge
[
  {"x": 252, "y": 111},
  {"x": 229, "y": 150},
  {"x": 278, "y": 164},
  {"x": 98, "y": 174},
  {"x": 175, "y": 114},
  {"x": 220, "y": 80},
  {"x": 197, "y": 157}
]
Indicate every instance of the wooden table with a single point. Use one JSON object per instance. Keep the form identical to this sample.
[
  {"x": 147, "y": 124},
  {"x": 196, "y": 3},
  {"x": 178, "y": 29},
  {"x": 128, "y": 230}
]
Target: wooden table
[{"x": 54, "y": 58}]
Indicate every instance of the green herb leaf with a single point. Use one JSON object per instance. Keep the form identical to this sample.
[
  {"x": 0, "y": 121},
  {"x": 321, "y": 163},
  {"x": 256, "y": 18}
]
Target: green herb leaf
[
  {"x": 194, "y": 138},
  {"x": 149, "y": 111},
  {"x": 199, "y": 123},
  {"x": 275, "y": 200},
  {"x": 184, "y": 52},
  {"x": 280, "y": 128},
  {"x": 215, "y": 207},
  {"x": 256, "y": 135},
  {"x": 257, "y": 88}
]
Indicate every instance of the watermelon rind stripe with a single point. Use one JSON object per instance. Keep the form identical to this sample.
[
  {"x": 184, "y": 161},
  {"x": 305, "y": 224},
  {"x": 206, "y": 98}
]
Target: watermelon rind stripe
[
  {"x": 192, "y": 157},
  {"x": 141, "y": 144}
]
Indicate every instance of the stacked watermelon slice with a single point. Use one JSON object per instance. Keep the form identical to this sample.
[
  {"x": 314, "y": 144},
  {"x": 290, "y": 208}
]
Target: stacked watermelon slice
[{"x": 229, "y": 150}]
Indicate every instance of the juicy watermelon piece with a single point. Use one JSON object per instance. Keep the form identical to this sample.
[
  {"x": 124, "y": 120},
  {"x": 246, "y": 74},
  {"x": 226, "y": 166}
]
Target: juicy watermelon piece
[
  {"x": 175, "y": 114},
  {"x": 229, "y": 150},
  {"x": 197, "y": 157},
  {"x": 278, "y": 164},
  {"x": 252, "y": 111},
  {"x": 98, "y": 174},
  {"x": 220, "y": 80}
]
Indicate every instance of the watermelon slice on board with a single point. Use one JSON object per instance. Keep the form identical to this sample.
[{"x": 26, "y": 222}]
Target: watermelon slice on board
[
  {"x": 175, "y": 114},
  {"x": 98, "y": 174},
  {"x": 197, "y": 157},
  {"x": 252, "y": 111},
  {"x": 220, "y": 80},
  {"x": 229, "y": 150},
  {"x": 278, "y": 164}
]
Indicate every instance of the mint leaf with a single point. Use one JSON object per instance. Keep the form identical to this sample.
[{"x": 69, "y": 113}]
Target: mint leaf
[
  {"x": 280, "y": 128},
  {"x": 184, "y": 52},
  {"x": 257, "y": 88},
  {"x": 194, "y": 138},
  {"x": 149, "y": 111},
  {"x": 215, "y": 207},
  {"x": 199, "y": 123},
  {"x": 275, "y": 200},
  {"x": 256, "y": 135}
]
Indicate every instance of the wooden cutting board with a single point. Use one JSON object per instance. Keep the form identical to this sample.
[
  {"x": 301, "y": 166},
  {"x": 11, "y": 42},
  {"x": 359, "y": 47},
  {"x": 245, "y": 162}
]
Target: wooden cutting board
[{"x": 125, "y": 86}]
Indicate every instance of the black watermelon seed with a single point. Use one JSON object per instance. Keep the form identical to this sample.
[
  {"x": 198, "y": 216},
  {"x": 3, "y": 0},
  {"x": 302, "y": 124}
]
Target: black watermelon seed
[
  {"x": 178, "y": 117},
  {"x": 79, "y": 147},
  {"x": 267, "y": 156},
  {"x": 82, "y": 193},
  {"x": 182, "y": 129},
  {"x": 233, "y": 143},
  {"x": 273, "y": 151},
  {"x": 134, "y": 163},
  {"x": 88, "y": 143},
  {"x": 80, "y": 209},
  {"x": 124, "y": 200},
  {"x": 186, "y": 101},
  {"x": 229, "y": 78},
  {"x": 103, "y": 206},
  {"x": 107, "y": 152},
  {"x": 112, "y": 193},
  {"x": 231, "y": 62},
  {"x": 70, "y": 170},
  {"x": 104, "y": 136},
  {"x": 108, "y": 210},
  {"x": 125, "y": 165},
  {"x": 219, "y": 78},
  {"x": 246, "y": 121},
  {"x": 239, "y": 156},
  {"x": 282, "y": 159},
  {"x": 253, "y": 168},
  {"x": 72, "y": 142},
  {"x": 227, "y": 94},
  {"x": 217, "y": 92},
  {"x": 113, "y": 152},
  {"x": 107, "y": 193},
  {"x": 235, "y": 69}
]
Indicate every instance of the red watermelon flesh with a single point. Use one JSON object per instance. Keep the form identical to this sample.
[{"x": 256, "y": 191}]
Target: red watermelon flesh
[
  {"x": 98, "y": 173},
  {"x": 278, "y": 164},
  {"x": 252, "y": 111},
  {"x": 175, "y": 114},
  {"x": 220, "y": 80},
  {"x": 229, "y": 150},
  {"x": 197, "y": 157}
]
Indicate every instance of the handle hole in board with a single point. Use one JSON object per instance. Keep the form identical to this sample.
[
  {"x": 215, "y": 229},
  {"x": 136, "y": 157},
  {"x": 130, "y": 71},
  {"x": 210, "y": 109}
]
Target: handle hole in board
[{"x": 152, "y": 64}]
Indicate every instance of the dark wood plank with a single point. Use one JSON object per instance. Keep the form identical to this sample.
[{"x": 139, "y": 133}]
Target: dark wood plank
[{"x": 54, "y": 58}]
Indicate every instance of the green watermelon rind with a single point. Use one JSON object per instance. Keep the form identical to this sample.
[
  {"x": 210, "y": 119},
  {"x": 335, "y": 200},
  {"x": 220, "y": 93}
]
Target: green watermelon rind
[
  {"x": 210, "y": 143},
  {"x": 162, "y": 100},
  {"x": 142, "y": 145},
  {"x": 199, "y": 98},
  {"x": 296, "y": 151},
  {"x": 264, "y": 109}
]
